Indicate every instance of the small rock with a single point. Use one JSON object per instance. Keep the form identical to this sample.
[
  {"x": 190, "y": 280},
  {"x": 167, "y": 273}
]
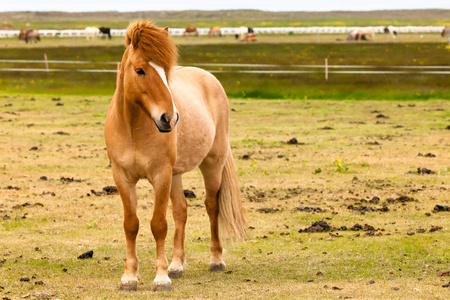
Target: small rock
[
  {"x": 25, "y": 279},
  {"x": 396, "y": 288},
  {"x": 43, "y": 178},
  {"x": 39, "y": 282},
  {"x": 189, "y": 194},
  {"x": 86, "y": 255},
  {"x": 381, "y": 116},
  {"x": 292, "y": 141},
  {"x": 372, "y": 281}
]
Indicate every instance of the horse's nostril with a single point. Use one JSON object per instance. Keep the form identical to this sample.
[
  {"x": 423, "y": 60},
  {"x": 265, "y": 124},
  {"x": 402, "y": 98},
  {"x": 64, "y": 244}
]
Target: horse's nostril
[{"x": 164, "y": 118}]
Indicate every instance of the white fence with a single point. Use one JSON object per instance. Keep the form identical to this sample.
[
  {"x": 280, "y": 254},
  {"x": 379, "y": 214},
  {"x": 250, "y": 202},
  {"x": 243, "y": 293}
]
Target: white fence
[
  {"x": 242, "y": 68},
  {"x": 234, "y": 30}
]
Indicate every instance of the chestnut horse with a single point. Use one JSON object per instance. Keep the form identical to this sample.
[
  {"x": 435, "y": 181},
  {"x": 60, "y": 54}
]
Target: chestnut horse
[
  {"x": 190, "y": 31},
  {"x": 143, "y": 139}
]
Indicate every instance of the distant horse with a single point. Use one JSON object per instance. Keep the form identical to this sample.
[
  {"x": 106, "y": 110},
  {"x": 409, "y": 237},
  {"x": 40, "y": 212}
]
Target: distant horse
[
  {"x": 446, "y": 31},
  {"x": 91, "y": 32},
  {"x": 22, "y": 34},
  {"x": 360, "y": 34},
  {"x": 213, "y": 31},
  {"x": 190, "y": 31},
  {"x": 251, "y": 37},
  {"x": 143, "y": 140},
  {"x": 243, "y": 32},
  {"x": 105, "y": 31},
  {"x": 391, "y": 30},
  {"x": 32, "y": 35}
]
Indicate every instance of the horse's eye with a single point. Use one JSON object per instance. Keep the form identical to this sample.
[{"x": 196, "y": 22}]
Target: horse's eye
[{"x": 140, "y": 71}]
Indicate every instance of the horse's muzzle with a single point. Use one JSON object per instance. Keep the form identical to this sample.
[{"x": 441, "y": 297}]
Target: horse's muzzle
[{"x": 165, "y": 125}]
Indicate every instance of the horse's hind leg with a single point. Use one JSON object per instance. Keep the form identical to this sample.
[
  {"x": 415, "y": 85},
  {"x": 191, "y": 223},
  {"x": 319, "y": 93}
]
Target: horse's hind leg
[
  {"x": 211, "y": 169},
  {"x": 179, "y": 211},
  {"x": 127, "y": 191}
]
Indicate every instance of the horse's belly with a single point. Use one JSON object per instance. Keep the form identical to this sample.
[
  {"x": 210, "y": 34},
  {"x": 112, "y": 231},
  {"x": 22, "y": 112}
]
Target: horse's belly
[{"x": 193, "y": 146}]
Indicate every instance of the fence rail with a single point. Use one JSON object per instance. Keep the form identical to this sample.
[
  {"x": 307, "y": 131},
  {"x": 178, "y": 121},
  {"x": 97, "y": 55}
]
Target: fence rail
[
  {"x": 234, "y": 30},
  {"x": 240, "y": 68}
]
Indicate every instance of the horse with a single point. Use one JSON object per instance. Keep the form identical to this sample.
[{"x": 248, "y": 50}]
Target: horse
[
  {"x": 190, "y": 31},
  {"x": 22, "y": 34},
  {"x": 445, "y": 31},
  {"x": 105, "y": 31},
  {"x": 243, "y": 32},
  {"x": 32, "y": 35},
  {"x": 391, "y": 30},
  {"x": 213, "y": 31},
  {"x": 251, "y": 37},
  {"x": 360, "y": 34},
  {"x": 165, "y": 120},
  {"x": 91, "y": 32}
]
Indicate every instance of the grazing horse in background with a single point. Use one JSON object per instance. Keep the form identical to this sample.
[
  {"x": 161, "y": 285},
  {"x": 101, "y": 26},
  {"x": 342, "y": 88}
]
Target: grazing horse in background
[
  {"x": 360, "y": 34},
  {"x": 251, "y": 37},
  {"x": 446, "y": 31},
  {"x": 143, "y": 140},
  {"x": 91, "y": 32},
  {"x": 391, "y": 30},
  {"x": 213, "y": 31},
  {"x": 32, "y": 35},
  {"x": 22, "y": 34},
  {"x": 105, "y": 31},
  {"x": 190, "y": 31},
  {"x": 243, "y": 32}
]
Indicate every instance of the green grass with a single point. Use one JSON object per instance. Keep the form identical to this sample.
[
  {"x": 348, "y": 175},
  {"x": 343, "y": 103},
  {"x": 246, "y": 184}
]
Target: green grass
[{"x": 252, "y": 86}]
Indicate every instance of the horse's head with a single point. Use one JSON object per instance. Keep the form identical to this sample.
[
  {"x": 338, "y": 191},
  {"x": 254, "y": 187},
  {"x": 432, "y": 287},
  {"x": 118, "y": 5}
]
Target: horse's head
[{"x": 146, "y": 63}]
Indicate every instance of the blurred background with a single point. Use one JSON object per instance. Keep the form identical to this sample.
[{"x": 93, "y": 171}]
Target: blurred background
[{"x": 258, "y": 50}]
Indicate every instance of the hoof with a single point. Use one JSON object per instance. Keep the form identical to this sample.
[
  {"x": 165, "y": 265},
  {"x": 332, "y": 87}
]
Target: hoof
[
  {"x": 175, "y": 274},
  {"x": 217, "y": 268},
  {"x": 162, "y": 288},
  {"x": 130, "y": 286}
]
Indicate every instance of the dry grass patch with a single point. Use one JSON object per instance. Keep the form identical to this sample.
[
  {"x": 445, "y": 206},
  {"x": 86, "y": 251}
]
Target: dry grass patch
[{"x": 345, "y": 158}]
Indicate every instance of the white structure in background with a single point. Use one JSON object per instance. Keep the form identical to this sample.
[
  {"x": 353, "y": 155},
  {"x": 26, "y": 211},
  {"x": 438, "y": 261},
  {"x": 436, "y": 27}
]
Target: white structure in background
[{"x": 234, "y": 30}]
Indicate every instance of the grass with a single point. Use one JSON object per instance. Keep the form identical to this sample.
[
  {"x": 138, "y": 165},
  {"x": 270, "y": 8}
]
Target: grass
[
  {"x": 294, "y": 50},
  {"x": 44, "y": 240},
  {"x": 227, "y": 18}
]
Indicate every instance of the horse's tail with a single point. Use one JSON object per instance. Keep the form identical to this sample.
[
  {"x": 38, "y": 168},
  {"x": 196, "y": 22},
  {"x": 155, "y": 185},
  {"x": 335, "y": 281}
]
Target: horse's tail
[{"x": 231, "y": 213}]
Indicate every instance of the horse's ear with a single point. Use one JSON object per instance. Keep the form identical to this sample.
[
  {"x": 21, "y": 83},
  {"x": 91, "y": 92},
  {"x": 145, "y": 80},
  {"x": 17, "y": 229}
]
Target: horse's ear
[
  {"x": 136, "y": 36},
  {"x": 166, "y": 30}
]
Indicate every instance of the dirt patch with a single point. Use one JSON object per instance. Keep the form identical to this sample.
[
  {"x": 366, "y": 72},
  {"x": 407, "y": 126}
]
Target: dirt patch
[
  {"x": 439, "y": 208},
  {"x": 107, "y": 190},
  {"x": 363, "y": 208},
  {"x": 323, "y": 226},
  {"x": 69, "y": 180},
  {"x": 309, "y": 209}
]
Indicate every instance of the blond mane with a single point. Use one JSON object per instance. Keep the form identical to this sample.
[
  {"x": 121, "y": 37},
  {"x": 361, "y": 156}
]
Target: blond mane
[{"x": 155, "y": 44}]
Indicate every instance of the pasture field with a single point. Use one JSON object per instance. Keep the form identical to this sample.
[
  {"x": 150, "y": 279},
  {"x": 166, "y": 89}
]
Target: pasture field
[
  {"x": 286, "y": 51},
  {"x": 355, "y": 162},
  {"x": 227, "y": 18}
]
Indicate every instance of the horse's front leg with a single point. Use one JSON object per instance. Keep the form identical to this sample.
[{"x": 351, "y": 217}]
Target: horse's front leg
[
  {"x": 179, "y": 211},
  {"x": 161, "y": 185},
  {"x": 127, "y": 191}
]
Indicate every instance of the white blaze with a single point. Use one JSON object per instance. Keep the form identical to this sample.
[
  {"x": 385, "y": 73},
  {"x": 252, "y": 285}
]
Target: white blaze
[{"x": 162, "y": 74}]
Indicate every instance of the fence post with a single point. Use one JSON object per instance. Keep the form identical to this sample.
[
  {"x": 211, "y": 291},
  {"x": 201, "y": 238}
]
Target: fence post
[
  {"x": 326, "y": 68},
  {"x": 46, "y": 62}
]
